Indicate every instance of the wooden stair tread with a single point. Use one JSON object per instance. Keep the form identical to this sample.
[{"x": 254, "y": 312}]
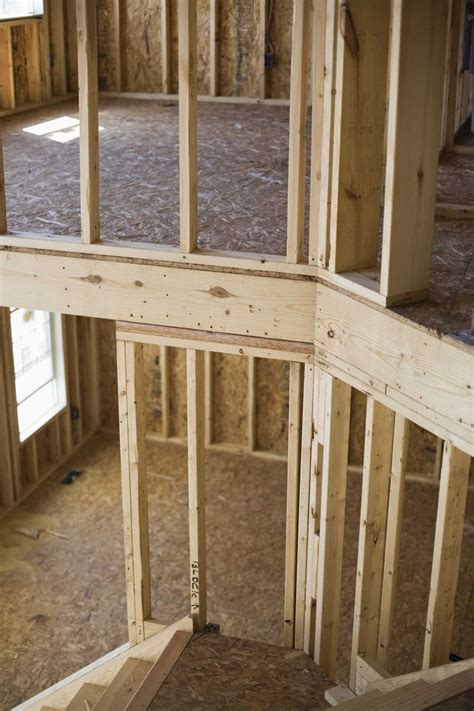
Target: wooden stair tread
[
  {"x": 124, "y": 685},
  {"x": 159, "y": 671},
  {"x": 88, "y": 694}
]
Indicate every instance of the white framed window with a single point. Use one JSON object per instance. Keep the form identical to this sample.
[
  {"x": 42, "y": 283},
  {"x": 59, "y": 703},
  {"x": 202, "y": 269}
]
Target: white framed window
[
  {"x": 38, "y": 356},
  {"x": 16, "y": 9}
]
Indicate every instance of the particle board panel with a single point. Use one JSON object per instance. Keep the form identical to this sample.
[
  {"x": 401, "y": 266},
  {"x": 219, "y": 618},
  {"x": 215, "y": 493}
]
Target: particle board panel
[
  {"x": 408, "y": 364},
  {"x": 225, "y": 303}
]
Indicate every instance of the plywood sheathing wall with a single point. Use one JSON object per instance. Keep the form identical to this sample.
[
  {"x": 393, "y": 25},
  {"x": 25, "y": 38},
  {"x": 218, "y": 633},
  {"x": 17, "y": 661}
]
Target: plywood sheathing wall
[
  {"x": 230, "y": 404},
  {"x": 238, "y": 52}
]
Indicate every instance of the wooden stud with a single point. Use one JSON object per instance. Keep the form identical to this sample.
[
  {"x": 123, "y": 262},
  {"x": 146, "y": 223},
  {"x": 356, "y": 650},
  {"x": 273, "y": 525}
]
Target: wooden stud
[
  {"x": 8, "y": 385},
  {"x": 208, "y": 396},
  {"x": 134, "y": 489},
  {"x": 33, "y": 62},
  {"x": 7, "y": 83},
  {"x": 417, "y": 58},
  {"x": 315, "y": 509},
  {"x": 213, "y": 47},
  {"x": 31, "y": 451},
  {"x": 252, "y": 404},
  {"x": 361, "y": 86},
  {"x": 58, "y": 47},
  {"x": 329, "y": 93},
  {"x": 187, "y": 18},
  {"x": 262, "y": 48},
  {"x": 446, "y": 555},
  {"x": 165, "y": 47},
  {"x": 304, "y": 505},
  {"x": 89, "y": 118},
  {"x": 373, "y": 522},
  {"x": 392, "y": 539},
  {"x": 452, "y": 75},
  {"x": 331, "y": 538},
  {"x": 317, "y": 91},
  {"x": 3, "y": 195},
  {"x": 165, "y": 391},
  {"x": 7, "y": 472},
  {"x": 45, "y": 53},
  {"x": 74, "y": 381},
  {"x": 117, "y": 45},
  {"x": 297, "y": 140},
  {"x": 292, "y": 499},
  {"x": 71, "y": 45},
  {"x": 90, "y": 386},
  {"x": 197, "y": 488}
]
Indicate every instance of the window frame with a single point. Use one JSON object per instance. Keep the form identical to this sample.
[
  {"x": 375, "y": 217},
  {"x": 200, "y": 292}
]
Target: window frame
[{"x": 58, "y": 357}]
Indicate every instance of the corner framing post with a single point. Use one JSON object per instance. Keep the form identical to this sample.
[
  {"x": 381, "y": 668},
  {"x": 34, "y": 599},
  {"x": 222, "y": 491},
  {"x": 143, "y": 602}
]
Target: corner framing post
[
  {"x": 134, "y": 486},
  {"x": 446, "y": 555},
  {"x": 89, "y": 118},
  {"x": 417, "y": 59},
  {"x": 300, "y": 54},
  {"x": 188, "y": 209},
  {"x": 331, "y": 537},
  {"x": 197, "y": 487},
  {"x": 359, "y": 120}
]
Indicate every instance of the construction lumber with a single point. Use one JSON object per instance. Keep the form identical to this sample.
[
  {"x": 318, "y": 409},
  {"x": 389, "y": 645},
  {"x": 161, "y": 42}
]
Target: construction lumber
[
  {"x": 87, "y": 694},
  {"x": 89, "y": 118},
  {"x": 331, "y": 537},
  {"x": 453, "y": 211},
  {"x": 213, "y": 47},
  {"x": 58, "y": 47},
  {"x": 446, "y": 555},
  {"x": 134, "y": 490},
  {"x": 116, "y": 20},
  {"x": 337, "y": 695},
  {"x": 297, "y": 138},
  {"x": 314, "y": 519},
  {"x": 417, "y": 58},
  {"x": 329, "y": 94},
  {"x": 361, "y": 86},
  {"x": 407, "y": 364},
  {"x": 392, "y": 544},
  {"x": 187, "y": 18},
  {"x": 368, "y": 671},
  {"x": 156, "y": 676},
  {"x": 45, "y": 56},
  {"x": 373, "y": 521},
  {"x": 104, "y": 670},
  {"x": 415, "y": 695},
  {"x": 317, "y": 93},
  {"x": 452, "y": 73},
  {"x": 165, "y": 47},
  {"x": 122, "y": 689},
  {"x": 430, "y": 676},
  {"x": 3, "y": 197},
  {"x": 196, "y": 487},
  {"x": 304, "y": 504},
  {"x": 33, "y": 62},
  {"x": 252, "y": 404},
  {"x": 227, "y": 303},
  {"x": 292, "y": 489},
  {"x": 7, "y": 84},
  {"x": 262, "y": 48}
]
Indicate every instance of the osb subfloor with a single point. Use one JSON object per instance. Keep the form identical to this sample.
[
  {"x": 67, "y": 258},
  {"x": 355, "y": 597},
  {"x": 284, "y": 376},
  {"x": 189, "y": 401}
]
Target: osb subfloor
[
  {"x": 63, "y": 599},
  {"x": 243, "y": 183},
  {"x": 217, "y": 672}
]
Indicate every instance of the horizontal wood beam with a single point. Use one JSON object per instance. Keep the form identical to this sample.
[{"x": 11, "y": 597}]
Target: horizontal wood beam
[
  {"x": 401, "y": 364},
  {"x": 215, "y": 342},
  {"x": 247, "y": 305}
]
